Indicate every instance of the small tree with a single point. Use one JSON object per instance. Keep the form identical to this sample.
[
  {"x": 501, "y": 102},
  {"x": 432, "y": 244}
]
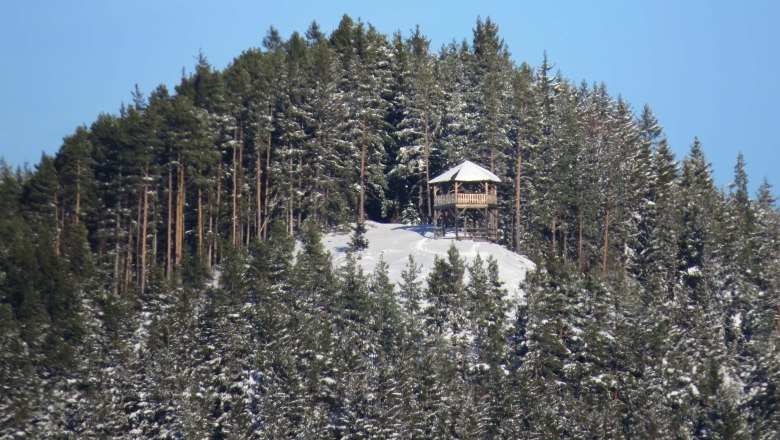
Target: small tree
[{"x": 358, "y": 240}]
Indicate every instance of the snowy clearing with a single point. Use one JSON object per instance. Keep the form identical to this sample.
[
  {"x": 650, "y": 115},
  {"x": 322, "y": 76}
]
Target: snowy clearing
[{"x": 396, "y": 242}]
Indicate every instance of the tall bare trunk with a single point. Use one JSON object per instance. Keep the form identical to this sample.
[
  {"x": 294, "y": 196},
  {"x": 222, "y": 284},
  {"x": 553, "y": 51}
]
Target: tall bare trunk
[
  {"x": 181, "y": 196},
  {"x": 580, "y": 256},
  {"x": 128, "y": 269},
  {"x": 290, "y": 203},
  {"x": 139, "y": 210},
  {"x": 606, "y": 238},
  {"x": 259, "y": 187},
  {"x": 56, "y": 226},
  {"x": 233, "y": 217},
  {"x": 427, "y": 139},
  {"x": 200, "y": 222},
  {"x": 420, "y": 196},
  {"x": 117, "y": 228},
  {"x": 239, "y": 185},
  {"x": 300, "y": 188},
  {"x": 267, "y": 188},
  {"x": 552, "y": 229},
  {"x": 78, "y": 192},
  {"x": 210, "y": 248},
  {"x": 169, "y": 242},
  {"x": 215, "y": 236},
  {"x": 154, "y": 228},
  {"x": 518, "y": 183},
  {"x": 144, "y": 223}
]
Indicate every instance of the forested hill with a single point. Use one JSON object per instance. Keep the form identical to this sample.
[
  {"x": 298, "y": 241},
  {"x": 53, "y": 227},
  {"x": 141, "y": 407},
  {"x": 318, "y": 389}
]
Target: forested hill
[{"x": 150, "y": 285}]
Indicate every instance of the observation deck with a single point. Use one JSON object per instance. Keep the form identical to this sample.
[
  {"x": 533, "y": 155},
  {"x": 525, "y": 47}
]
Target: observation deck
[{"x": 465, "y": 200}]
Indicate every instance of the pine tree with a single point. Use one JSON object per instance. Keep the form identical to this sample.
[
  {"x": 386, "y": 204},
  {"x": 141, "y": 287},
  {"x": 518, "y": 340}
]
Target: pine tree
[
  {"x": 458, "y": 117},
  {"x": 358, "y": 241},
  {"x": 492, "y": 69},
  {"x": 416, "y": 131}
]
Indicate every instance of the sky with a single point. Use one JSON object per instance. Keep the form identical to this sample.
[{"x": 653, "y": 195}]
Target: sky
[{"x": 706, "y": 68}]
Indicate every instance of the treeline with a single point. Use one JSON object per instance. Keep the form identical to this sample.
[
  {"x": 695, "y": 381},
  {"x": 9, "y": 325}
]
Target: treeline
[{"x": 654, "y": 313}]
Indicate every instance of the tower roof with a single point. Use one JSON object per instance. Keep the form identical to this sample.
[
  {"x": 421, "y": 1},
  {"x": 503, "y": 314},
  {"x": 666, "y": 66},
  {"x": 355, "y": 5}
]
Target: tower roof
[{"x": 467, "y": 171}]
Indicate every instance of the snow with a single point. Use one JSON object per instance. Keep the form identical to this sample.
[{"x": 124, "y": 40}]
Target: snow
[
  {"x": 395, "y": 242},
  {"x": 215, "y": 276},
  {"x": 466, "y": 172},
  {"x": 736, "y": 320}
]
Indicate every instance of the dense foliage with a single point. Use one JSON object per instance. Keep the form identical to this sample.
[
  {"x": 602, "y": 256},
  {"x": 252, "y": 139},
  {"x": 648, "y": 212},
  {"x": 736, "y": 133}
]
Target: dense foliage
[{"x": 150, "y": 284}]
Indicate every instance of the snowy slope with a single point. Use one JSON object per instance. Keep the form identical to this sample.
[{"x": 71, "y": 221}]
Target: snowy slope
[{"x": 395, "y": 242}]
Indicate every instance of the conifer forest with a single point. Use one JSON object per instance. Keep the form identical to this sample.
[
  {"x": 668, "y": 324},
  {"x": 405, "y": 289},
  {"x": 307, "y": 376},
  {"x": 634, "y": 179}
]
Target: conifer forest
[{"x": 163, "y": 274}]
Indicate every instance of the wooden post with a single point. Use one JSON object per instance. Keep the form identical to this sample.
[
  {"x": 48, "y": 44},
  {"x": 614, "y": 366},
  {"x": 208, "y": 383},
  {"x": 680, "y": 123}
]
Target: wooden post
[{"x": 457, "y": 214}]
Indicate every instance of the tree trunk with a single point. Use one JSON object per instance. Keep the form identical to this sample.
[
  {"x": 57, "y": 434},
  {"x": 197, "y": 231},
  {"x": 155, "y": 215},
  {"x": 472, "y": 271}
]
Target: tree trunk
[
  {"x": 138, "y": 230},
  {"x": 259, "y": 188},
  {"x": 56, "y": 226},
  {"x": 239, "y": 184},
  {"x": 427, "y": 167},
  {"x": 117, "y": 228},
  {"x": 200, "y": 222},
  {"x": 217, "y": 208},
  {"x": 128, "y": 270},
  {"x": 210, "y": 248},
  {"x": 290, "y": 205},
  {"x": 181, "y": 194},
  {"x": 142, "y": 267},
  {"x": 580, "y": 256},
  {"x": 78, "y": 191},
  {"x": 606, "y": 239},
  {"x": 300, "y": 188},
  {"x": 518, "y": 183},
  {"x": 267, "y": 188},
  {"x": 169, "y": 242},
  {"x": 154, "y": 236},
  {"x": 233, "y": 217},
  {"x": 362, "y": 201},
  {"x": 420, "y": 195},
  {"x": 552, "y": 229}
]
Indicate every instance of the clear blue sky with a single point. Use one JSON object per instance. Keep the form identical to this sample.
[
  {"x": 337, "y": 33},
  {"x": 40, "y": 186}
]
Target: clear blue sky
[{"x": 707, "y": 68}]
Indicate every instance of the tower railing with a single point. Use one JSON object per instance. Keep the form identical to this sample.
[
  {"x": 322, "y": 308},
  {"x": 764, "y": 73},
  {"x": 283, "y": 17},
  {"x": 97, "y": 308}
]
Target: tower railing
[{"x": 465, "y": 199}]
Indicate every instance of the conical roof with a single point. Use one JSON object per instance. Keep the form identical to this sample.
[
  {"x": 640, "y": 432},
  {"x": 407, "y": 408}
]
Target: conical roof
[{"x": 468, "y": 171}]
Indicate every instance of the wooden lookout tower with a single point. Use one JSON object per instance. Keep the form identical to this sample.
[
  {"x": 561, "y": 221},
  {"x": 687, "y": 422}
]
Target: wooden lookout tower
[{"x": 465, "y": 198}]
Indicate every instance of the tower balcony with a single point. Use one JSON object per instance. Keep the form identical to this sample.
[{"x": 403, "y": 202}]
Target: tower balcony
[{"x": 465, "y": 200}]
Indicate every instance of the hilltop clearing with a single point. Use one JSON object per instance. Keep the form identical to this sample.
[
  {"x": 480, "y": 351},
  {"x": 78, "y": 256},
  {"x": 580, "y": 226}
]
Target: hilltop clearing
[{"x": 395, "y": 242}]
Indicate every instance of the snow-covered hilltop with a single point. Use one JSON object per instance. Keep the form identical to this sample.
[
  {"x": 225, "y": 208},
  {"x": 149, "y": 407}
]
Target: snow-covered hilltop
[{"x": 395, "y": 242}]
